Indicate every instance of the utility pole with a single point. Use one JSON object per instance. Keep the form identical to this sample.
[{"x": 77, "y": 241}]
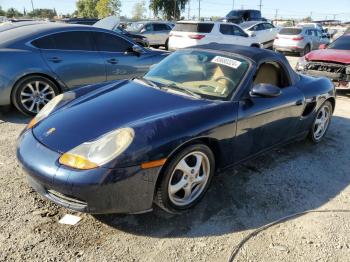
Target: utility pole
[
  {"x": 32, "y": 5},
  {"x": 189, "y": 10},
  {"x": 260, "y": 6},
  {"x": 199, "y": 10},
  {"x": 233, "y": 4},
  {"x": 276, "y": 16}
]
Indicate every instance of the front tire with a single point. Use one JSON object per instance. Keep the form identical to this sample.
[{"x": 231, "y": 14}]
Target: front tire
[
  {"x": 32, "y": 93},
  {"x": 321, "y": 122},
  {"x": 186, "y": 178},
  {"x": 306, "y": 50}
]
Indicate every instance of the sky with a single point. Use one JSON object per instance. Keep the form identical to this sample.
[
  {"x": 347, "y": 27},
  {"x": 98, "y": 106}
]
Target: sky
[{"x": 318, "y": 9}]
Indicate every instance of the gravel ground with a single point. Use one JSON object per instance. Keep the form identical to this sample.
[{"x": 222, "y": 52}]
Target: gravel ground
[{"x": 295, "y": 178}]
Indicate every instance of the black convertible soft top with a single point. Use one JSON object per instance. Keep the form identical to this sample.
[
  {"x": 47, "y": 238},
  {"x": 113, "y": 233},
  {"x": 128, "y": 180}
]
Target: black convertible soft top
[{"x": 254, "y": 53}]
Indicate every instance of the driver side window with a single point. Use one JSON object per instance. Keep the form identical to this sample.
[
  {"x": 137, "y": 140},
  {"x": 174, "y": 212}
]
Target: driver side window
[{"x": 271, "y": 73}]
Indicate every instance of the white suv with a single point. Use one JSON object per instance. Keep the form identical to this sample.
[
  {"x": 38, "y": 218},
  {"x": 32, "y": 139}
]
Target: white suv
[{"x": 191, "y": 33}]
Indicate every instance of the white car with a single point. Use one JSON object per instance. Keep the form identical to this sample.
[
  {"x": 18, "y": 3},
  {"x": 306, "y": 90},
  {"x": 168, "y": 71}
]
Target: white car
[
  {"x": 264, "y": 32},
  {"x": 192, "y": 33}
]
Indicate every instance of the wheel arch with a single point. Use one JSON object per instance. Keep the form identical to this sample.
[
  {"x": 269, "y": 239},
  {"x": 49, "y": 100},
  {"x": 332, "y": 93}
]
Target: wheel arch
[
  {"x": 55, "y": 81},
  {"x": 332, "y": 101}
]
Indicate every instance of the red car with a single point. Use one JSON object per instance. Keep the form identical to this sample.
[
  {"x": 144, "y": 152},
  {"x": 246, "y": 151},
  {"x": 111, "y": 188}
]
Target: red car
[{"x": 332, "y": 61}]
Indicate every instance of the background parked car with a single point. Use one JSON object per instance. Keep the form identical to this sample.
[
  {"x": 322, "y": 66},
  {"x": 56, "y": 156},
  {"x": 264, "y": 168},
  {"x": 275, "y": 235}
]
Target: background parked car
[
  {"x": 80, "y": 21},
  {"x": 264, "y": 32},
  {"x": 41, "y": 61},
  {"x": 113, "y": 23},
  {"x": 10, "y": 25},
  {"x": 157, "y": 32},
  {"x": 240, "y": 16},
  {"x": 191, "y": 33},
  {"x": 332, "y": 62},
  {"x": 299, "y": 40},
  {"x": 316, "y": 26}
]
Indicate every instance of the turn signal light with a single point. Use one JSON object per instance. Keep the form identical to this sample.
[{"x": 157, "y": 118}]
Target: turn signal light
[
  {"x": 155, "y": 163},
  {"x": 31, "y": 123},
  {"x": 76, "y": 161}
]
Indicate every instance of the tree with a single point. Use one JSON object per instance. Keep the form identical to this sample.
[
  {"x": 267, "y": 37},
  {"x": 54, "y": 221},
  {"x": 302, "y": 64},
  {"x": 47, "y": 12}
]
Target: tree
[
  {"x": 139, "y": 10},
  {"x": 12, "y": 12},
  {"x": 307, "y": 19},
  {"x": 43, "y": 13},
  {"x": 167, "y": 8},
  {"x": 2, "y": 12},
  {"x": 87, "y": 8},
  {"x": 108, "y": 7}
]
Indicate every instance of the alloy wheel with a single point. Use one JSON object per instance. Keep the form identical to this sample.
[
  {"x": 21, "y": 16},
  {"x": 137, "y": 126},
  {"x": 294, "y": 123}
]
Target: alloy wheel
[
  {"x": 189, "y": 178},
  {"x": 35, "y": 95},
  {"x": 321, "y": 122}
]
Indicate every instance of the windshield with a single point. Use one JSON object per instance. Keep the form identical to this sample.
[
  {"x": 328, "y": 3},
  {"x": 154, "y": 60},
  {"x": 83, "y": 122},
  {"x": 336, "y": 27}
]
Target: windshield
[
  {"x": 134, "y": 27},
  {"x": 208, "y": 74},
  {"x": 342, "y": 43}
]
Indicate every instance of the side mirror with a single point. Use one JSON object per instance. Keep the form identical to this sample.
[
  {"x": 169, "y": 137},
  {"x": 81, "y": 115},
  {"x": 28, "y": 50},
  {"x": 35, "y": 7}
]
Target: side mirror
[
  {"x": 252, "y": 34},
  {"x": 323, "y": 46},
  {"x": 265, "y": 90},
  {"x": 137, "y": 49}
]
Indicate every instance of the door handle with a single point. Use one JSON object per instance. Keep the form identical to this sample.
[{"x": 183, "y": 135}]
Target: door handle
[
  {"x": 112, "y": 61},
  {"x": 55, "y": 59}
]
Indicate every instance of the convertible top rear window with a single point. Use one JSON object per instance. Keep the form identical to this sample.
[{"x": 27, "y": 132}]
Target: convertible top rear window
[
  {"x": 290, "y": 31},
  {"x": 194, "y": 27}
]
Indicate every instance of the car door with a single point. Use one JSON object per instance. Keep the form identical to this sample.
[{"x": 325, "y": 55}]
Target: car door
[
  {"x": 270, "y": 33},
  {"x": 161, "y": 32},
  {"x": 263, "y": 122},
  {"x": 72, "y": 57},
  {"x": 227, "y": 35},
  {"x": 148, "y": 32},
  {"x": 259, "y": 33},
  {"x": 120, "y": 61}
]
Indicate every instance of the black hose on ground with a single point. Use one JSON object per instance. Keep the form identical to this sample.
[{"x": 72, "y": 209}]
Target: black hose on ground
[{"x": 237, "y": 248}]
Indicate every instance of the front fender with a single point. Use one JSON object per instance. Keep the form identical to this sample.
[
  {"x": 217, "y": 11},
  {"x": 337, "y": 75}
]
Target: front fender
[{"x": 158, "y": 138}]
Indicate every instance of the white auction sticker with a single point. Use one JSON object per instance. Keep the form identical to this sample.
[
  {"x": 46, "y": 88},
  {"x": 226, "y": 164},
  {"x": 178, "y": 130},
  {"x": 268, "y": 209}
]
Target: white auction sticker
[{"x": 226, "y": 61}]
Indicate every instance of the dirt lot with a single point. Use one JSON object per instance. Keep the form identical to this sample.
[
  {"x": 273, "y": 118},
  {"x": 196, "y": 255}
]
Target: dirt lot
[{"x": 295, "y": 178}]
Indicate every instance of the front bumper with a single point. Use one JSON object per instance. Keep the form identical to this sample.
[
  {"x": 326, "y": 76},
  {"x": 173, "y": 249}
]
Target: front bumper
[
  {"x": 336, "y": 78},
  {"x": 98, "y": 191}
]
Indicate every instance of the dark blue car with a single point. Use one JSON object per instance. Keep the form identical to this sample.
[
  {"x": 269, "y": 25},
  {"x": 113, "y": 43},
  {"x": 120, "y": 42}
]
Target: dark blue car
[
  {"x": 42, "y": 60},
  {"x": 120, "y": 147}
]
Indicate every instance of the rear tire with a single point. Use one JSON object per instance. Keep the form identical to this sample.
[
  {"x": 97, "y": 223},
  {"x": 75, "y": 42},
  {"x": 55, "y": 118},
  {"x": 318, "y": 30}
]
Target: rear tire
[
  {"x": 321, "y": 123},
  {"x": 32, "y": 93},
  {"x": 306, "y": 50},
  {"x": 185, "y": 179},
  {"x": 167, "y": 44}
]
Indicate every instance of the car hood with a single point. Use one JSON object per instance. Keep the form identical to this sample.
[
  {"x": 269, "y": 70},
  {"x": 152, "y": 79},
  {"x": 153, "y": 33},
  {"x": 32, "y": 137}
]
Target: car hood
[
  {"x": 330, "y": 55},
  {"x": 108, "y": 23},
  {"x": 116, "y": 105}
]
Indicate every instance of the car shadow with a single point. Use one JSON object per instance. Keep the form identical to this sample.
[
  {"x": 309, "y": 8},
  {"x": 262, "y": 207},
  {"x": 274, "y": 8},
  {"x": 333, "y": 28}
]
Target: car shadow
[
  {"x": 11, "y": 115},
  {"x": 287, "y": 180}
]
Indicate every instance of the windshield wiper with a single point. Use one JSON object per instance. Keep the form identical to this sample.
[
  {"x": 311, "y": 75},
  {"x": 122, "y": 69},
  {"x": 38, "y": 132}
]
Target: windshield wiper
[
  {"x": 185, "y": 90},
  {"x": 148, "y": 82}
]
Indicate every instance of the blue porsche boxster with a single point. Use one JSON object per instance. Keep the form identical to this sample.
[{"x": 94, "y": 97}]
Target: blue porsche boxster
[{"x": 123, "y": 146}]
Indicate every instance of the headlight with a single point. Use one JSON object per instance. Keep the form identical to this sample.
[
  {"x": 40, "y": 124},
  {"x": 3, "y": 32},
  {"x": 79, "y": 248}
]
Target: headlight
[
  {"x": 49, "y": 107},
  {"x": 93, "y": 154},
  {"x": 301, "y": 64}
]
